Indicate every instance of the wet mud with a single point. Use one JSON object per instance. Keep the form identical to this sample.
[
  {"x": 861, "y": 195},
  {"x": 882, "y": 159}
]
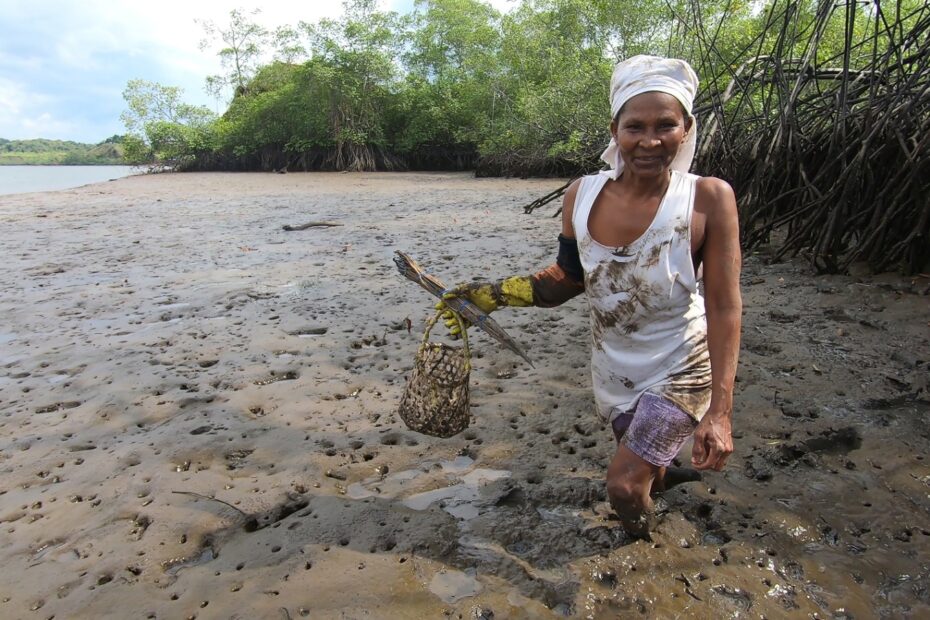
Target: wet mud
[{"x": 198, "y": 419}]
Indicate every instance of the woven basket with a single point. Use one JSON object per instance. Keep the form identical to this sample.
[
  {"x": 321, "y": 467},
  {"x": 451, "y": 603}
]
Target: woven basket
[{"x": 435, "y": 400}]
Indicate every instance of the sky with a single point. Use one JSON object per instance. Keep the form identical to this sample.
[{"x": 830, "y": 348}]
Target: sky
[{"x": 64, "y": 63}]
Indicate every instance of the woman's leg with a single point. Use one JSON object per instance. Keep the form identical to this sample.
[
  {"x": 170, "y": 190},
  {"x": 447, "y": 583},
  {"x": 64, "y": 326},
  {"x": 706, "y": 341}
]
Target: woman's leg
[
  {"x": 648, "y": 440},
  {"x": 629, "y": 484}
]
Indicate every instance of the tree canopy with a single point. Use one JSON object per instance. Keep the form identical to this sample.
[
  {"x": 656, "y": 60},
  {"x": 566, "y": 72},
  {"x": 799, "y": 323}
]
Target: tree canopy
[{"x": 455, "y": 84}]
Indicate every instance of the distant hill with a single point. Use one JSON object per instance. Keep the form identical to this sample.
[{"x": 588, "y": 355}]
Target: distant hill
[{"x": 61, "y": 152}]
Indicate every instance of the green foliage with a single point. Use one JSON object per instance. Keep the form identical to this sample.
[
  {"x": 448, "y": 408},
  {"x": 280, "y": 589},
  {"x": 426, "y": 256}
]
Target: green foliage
[
  {"x": 457, "y": 84},
  {"x": 162, "y": 129},
  {"x": 351, "y": 78},
  {"x": 451, "y": 70},
  {"x": 269, "y": 115},
  {"x": 241, "y": 42}
]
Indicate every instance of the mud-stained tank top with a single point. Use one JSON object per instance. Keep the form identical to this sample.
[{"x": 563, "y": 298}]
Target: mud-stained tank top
[{"x": 648, "y": 328}]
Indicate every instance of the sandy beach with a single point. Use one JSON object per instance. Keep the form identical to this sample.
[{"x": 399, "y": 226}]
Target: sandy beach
[{"x": 197, "y": 420}]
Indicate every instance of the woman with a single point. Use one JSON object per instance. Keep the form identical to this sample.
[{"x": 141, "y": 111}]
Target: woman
[{"x": 633, "y": 238}]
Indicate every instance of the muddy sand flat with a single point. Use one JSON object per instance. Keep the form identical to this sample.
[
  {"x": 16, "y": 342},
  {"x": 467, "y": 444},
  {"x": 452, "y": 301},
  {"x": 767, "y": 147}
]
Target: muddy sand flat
[{"x": 197, "y": 420}]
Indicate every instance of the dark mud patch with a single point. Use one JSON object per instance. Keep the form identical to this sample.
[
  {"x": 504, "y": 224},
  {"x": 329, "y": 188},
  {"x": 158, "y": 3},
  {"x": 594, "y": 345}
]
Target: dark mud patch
[
  {"x": 371, "y": 525},
  {"x": 533, "y": 530}
]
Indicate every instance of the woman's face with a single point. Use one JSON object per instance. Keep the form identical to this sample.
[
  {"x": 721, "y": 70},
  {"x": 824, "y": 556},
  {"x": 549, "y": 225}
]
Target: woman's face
[{"x": 649, "y": 131}]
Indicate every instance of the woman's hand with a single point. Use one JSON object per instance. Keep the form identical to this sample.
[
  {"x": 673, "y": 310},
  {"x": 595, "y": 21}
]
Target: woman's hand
[
  {"x": 713, "y": 442},
  {"x": 479, "y": 293},
  {"x": 485, "y": 295},
  {"x": 453, "y": 322}
]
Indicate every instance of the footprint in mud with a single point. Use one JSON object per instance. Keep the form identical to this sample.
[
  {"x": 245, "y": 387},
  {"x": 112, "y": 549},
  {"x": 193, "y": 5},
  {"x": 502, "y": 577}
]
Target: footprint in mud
[
  {"x": 58, "y": 406},
  {"x": 391, "y": 439},
  {"x": 830, "y": 441},
  {"x": 236, "y": 459},
  {"x": 275, "y": 376},
  {"x": 48, "y": 269},
  {"x": 761, "y": 464},
  {"x": 783, "y": 317},
  {"x": 306, "y": 332},
  {"x": 736, "y": 598},
  {"x": 471, "y": 435},
  {"x": 836, "y": 441},
  {"x": 762, "y": 348}
]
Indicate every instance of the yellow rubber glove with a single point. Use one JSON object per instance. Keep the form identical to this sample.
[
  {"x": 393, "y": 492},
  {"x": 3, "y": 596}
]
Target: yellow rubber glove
[{"x": 489, "y": 296}]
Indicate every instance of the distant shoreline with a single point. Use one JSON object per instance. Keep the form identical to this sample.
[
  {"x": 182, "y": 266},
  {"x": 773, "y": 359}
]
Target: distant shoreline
[
  {"x": 118, "y": 163},
  {"x": 44, "y": 152}
]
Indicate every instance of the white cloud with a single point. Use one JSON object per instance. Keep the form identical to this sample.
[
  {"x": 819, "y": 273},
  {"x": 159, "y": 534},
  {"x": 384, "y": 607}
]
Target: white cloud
[
  {"x": 62, "y": 59},
  {"x": 11, "y": 99},
  {"x": 22, "y": 113},
  {"x": 46, "y": 125},
  {"x": 20, "y": 63},
  {"x": 16, "y": 99}
]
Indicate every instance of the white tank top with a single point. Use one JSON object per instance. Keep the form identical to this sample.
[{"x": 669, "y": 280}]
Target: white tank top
[{"x": 648, "y": 328}]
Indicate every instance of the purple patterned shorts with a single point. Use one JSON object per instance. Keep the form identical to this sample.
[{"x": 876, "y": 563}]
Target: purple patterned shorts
[{"x": 655, "y": 431}]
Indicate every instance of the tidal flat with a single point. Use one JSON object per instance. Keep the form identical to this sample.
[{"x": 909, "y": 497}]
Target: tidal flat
[{"x": 198, "y": 419}]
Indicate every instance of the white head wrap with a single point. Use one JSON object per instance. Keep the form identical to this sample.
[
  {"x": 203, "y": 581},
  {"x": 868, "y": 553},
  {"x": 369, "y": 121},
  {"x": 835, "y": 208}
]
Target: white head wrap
[{"x": 644, "y": 74}]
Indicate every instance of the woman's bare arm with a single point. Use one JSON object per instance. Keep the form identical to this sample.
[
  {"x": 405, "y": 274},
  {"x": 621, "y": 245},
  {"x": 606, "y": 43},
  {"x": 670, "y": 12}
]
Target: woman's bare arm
[
  {"x": 713, "y": 442},
  {"x": 555, "y": 285}
]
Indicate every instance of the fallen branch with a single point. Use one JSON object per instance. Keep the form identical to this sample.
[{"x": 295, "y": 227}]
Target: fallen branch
[
  {"x": 199, "y": 496},
  {"x": 543, "y": 201},
  {"x": 290, "y": 228}
]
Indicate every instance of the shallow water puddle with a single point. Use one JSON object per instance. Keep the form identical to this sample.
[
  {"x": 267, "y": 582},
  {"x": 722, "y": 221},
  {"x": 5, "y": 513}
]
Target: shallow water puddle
[
  {"x": 461, "y": 500},
  {"x": 390, "y": 487},
  {"x": 149, "y": 326},
  {"x": 559, "y": 514},
  {"x": 172, "y": 567},
  {"x": 452, "y": 585},
  {"x": 459, "y": 493},
  {"x": 476, "y": 477},
  {"x": 457, "y": 465},
  {"x": 11, "y": 360},
  {"x": 47, "y": 547}
]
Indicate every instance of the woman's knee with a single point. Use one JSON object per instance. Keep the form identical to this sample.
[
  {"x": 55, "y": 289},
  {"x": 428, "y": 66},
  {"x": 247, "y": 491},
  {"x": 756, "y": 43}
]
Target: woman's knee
[{"x": 624, "y": 493}]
